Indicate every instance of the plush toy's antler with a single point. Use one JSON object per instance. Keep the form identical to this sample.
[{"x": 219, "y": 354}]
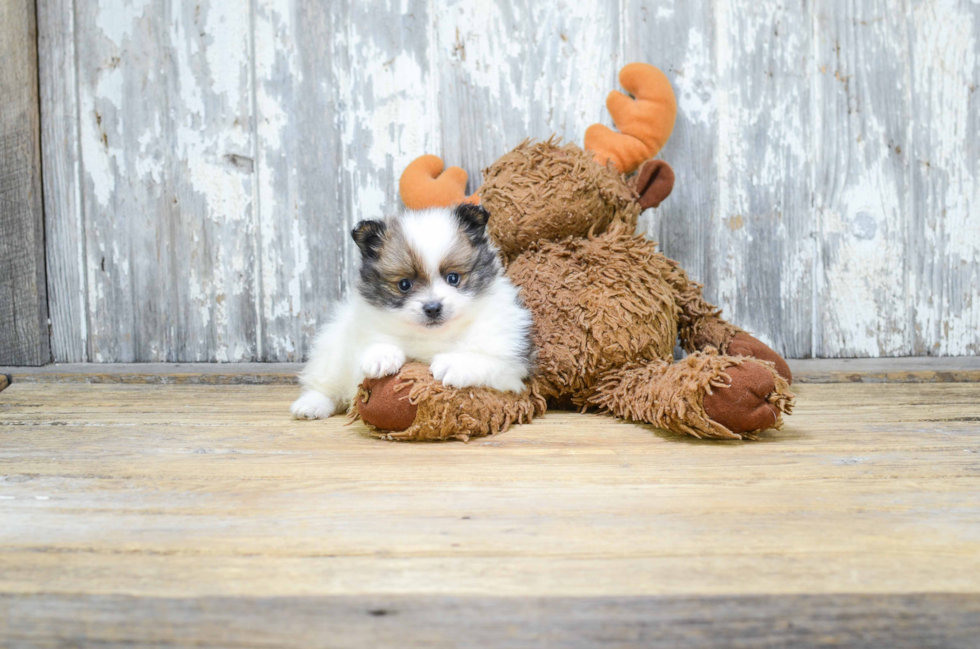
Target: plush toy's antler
[
  {"x": 424, "y": 184},
  {"x": 645, "y": 122}
]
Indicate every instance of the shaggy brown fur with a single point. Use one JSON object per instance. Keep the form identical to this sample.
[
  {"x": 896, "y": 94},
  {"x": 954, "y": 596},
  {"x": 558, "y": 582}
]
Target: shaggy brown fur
[
  {"x": 542, "y": 191},
  {"x": 598, "y": 302},
  {"x": 608, "y": 309},
  {"x": 672, "y": 395}
]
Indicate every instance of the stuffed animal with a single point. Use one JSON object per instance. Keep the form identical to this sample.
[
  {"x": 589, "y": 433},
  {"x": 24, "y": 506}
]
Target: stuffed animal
[{"x": 608, "y": 308}]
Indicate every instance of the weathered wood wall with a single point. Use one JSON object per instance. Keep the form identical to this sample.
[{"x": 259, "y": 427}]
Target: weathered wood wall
[
  {"x": 204, "y": 160},
  {"x": 23, "y": 304}
]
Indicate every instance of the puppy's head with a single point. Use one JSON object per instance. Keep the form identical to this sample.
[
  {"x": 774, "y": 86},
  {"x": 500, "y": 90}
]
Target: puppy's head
[{"x": 428, "y": 266}]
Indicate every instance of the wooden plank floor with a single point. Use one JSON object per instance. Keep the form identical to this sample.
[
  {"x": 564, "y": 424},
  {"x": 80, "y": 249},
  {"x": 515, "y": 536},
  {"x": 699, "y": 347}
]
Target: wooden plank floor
[{"x": 200, "y": 514}]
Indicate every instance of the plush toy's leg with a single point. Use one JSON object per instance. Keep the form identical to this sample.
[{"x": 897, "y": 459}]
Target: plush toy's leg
[
  {"x": 412, "y": 405},
  {"x": 704, "y": 395},
  {"x": 700, "y": 326}
]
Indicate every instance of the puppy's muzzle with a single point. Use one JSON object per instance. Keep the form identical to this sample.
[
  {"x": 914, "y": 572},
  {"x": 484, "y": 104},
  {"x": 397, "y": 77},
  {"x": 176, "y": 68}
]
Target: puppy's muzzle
[{"x": 432, "y": 310}]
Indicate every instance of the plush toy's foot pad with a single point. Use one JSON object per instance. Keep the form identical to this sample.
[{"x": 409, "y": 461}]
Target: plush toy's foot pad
[
  {"x": 744, "y": 344},
  {"x": 754, "y": 399},
  {"x": 379, "y": 404}
]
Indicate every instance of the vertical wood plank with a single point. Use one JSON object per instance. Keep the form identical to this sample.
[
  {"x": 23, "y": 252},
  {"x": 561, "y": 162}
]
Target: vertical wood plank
[
  {"x": 23, "y": 302},
  {"x": 759, "y": 267},
  {"x": 509, "y": 71},
  {"x": 392, "y": 108},
  {"x": 63, "y": 223},
  {"x": 344, "y": 102},
  {"x": 944, "y": 232},
  {"x": 391, "y": 85},
  {"x": 862, "y": 184},
  {"x": 679, "y": 38},
  {"x": 165, "y": 135},
  {"x": 300, "y": 110}
]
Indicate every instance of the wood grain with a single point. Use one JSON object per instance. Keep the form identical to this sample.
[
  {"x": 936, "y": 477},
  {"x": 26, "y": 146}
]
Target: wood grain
[
  {"x": 760, "y": 268},
  {"x": 174, "y": 491},
  {"x": 198, "y": 206},
  {"x": 302, "y": 208},
  {"x": 862, "y": 189},
  {"x": 963, "y": 369},
  {"x": 166, "y": 140},
  {"x": 943, "y": 238},
  {"x": 23, "y": 301},
  {"x": 931, "y": 620},
  {"x": 206, "y": 509},
  {"x": 681, "y": 39},
  {"x": 512, "y": 70},
  {"x": 64, "y": 225}
]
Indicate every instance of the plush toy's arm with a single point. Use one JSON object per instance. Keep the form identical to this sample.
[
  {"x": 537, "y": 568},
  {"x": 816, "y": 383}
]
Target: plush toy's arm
[
  {"x": 413, "y": 406},
  {"x": 701, "y": 326},
  {"x": 703, "y": 395}
]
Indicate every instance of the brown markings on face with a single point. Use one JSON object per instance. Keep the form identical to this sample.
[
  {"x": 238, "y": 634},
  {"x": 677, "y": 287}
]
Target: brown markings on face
[
  {"x": 395, "y": 261},
  {"x": 474, "y": 260},
  {"x": 475, "y": 263},
  {"x": 398, "y": 260},
  {"x": 459, "y": 258}
]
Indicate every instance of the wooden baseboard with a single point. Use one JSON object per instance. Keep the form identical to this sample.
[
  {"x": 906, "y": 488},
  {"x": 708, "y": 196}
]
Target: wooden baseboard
[
  {"x": 915, "y": 369},
  {"x": 162, "y": 373},
  {"x": 957, "y": 369},
  {"x": 877, "y": 370}
]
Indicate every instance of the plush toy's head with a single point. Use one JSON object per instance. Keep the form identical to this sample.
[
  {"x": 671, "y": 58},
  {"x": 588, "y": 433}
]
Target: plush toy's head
[{"x": 544, "y": 191}]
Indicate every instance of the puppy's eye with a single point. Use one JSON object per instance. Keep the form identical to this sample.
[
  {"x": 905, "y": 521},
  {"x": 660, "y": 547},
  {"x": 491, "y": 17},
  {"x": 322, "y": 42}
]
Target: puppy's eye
[
  {"x": 404, "y": 285},
  {"x": 452, "y": 279}
]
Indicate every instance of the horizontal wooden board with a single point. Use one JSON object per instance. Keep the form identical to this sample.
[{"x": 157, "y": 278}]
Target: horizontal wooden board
[{"x": 932, "y": 620}]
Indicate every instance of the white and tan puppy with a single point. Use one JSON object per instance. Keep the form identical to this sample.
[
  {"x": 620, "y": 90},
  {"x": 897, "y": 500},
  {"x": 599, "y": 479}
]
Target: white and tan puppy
[{"x": 431, "y": 289}]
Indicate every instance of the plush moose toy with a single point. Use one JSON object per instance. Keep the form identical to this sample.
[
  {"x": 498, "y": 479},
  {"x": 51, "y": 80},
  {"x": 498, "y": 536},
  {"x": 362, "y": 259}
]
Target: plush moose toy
[{"x": 608, "y": 308}]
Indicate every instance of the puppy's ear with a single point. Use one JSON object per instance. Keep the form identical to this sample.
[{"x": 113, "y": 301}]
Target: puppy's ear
[
  {"x": 473, "y": 219},
  {"x": 369, "y": 235}
]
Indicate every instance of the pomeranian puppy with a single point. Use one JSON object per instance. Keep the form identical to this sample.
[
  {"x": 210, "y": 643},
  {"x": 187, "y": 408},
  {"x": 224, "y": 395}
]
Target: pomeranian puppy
[{"x": 431, "y": 289}]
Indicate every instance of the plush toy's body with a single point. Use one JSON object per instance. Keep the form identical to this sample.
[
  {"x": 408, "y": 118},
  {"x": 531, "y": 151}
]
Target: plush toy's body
[{"x": 608, "y": 308}]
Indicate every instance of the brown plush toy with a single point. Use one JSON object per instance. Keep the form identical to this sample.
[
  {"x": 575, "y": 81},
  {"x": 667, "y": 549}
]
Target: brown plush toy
[{"x": 608, "y": 308}]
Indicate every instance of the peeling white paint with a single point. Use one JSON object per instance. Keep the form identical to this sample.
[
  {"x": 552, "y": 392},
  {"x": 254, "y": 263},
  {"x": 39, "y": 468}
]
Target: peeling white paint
[
  {"x": 693, "y": 87},
  {"x": 96, "y": 155},
  {"x": 946, "y": 76},
  {"x": 225, "y": 205},
  {"x": 116, "y": 20},
  {"x": 228, "y": 28}
]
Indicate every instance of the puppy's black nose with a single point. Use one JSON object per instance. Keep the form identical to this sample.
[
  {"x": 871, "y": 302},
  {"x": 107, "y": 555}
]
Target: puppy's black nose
[{"x": 432, "y": 309}]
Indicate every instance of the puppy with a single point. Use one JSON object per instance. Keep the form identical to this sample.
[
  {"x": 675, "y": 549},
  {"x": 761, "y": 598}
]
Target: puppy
[{"x": 431, "y": 288}]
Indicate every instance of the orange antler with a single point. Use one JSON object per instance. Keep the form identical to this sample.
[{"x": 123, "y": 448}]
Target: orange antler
[
  {"x": 424, "y": 184},
  {"x": 645, "y": 122}
]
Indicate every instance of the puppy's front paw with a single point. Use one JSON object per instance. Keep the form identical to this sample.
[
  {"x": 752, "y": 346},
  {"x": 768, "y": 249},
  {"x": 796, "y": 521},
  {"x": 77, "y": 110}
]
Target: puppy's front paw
[
  {"x": 456, "y": 370},
  {"x": 381, "y": 360},
  {"x": 312, "y": 405},
  {"x": 468, "y": 370}
]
